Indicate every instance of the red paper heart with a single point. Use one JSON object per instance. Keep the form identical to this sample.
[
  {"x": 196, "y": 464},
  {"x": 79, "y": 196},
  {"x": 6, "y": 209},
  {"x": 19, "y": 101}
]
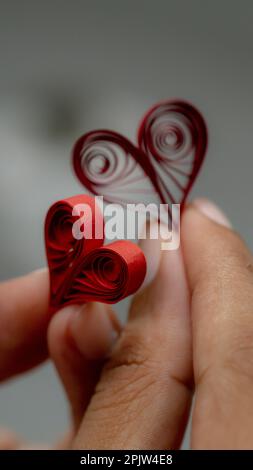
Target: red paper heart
[
  {"x": 85, "y": 270},
  {"x": 172, "y": 142}
]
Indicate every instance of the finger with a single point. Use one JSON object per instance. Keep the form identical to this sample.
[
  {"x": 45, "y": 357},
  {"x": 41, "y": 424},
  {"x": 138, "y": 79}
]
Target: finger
[
  {"x": 33, "y": 446},
  {"x": 143, "y": 396},
  {"x": 8, "y": 439},
  {"x": 79, "y": 339},
  {"x": 219, "y": 268},
  {"x": 64, "y": 442},
  {"x": 24, "y": 319}
]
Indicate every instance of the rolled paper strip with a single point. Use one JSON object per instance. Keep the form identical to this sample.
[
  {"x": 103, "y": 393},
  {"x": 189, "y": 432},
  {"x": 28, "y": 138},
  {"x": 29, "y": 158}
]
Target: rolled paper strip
[
  {"x": 173, "y": 134},
  {"x": 81, "y": 268},
  {"x": 108, "y": 274},
  {"x": 172, "y": 143},
  {"x": 102, "y": 162}
]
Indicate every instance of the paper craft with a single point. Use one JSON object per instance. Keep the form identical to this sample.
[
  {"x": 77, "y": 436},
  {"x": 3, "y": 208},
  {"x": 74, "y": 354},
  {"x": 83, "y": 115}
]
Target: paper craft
[
  {"x": 172, "y": 142},
  {"x": 85, "y": 270}
]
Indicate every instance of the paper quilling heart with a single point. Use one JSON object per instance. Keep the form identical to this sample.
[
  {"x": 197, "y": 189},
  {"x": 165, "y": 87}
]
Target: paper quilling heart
[
  {"x": 84, "y": 270},
  {"x": 172, "y": 143}
]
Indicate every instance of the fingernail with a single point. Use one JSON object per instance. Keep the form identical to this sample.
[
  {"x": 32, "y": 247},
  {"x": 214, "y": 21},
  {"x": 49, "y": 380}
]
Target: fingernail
[
  {"x": 213, "y": 212},
  {"x": 150, "y": 244},
  {"x": 92, "y": 330}
]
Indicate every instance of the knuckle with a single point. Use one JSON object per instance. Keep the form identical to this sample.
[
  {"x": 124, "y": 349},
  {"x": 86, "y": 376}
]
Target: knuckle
[
  {"x": 234, "y": 370},
  {"x": 131, "y": 375},
  {"x": 239, "y": 359},
  {"x": 135, "y": 348},
  {"x": 133, "y": 361}
]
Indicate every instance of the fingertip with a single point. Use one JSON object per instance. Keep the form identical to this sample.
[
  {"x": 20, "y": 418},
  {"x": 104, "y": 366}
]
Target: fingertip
[
  {"x": 212, "y": 250},
  {"x": 210, "y": 210},
  {"x": 200, "y": 215},
  {"x": 94, "y": 330},
  {"x": 57, "y": 335},
  {"x": 79, "y": 339},
  {"x": 91, "y": 329},
  {"x": 204, "y": 232}
]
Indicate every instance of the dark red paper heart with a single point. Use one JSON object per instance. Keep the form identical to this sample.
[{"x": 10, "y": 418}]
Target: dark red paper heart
[
  {"x": 172, "y": 142},
  {"x": 85, "y": 270}
]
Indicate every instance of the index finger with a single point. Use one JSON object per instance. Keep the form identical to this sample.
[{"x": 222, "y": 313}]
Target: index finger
[
  {"x": 24, "y": 318},
  {"x": 219, "y": 268}
]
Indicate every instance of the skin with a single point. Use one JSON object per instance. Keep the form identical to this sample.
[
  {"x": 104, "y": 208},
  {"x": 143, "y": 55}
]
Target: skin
[{"x": 189, "y": 330}]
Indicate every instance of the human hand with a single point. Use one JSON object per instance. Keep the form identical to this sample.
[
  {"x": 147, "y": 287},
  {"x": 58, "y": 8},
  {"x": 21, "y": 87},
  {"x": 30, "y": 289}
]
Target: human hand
[
  {"x": 181, "y": 336},
  {"x": 24, "y": 320},
  {"x": 136, "y": 391}
]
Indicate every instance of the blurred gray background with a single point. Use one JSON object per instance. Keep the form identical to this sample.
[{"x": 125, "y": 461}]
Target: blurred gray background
[{"x": 67, "y": 67}]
